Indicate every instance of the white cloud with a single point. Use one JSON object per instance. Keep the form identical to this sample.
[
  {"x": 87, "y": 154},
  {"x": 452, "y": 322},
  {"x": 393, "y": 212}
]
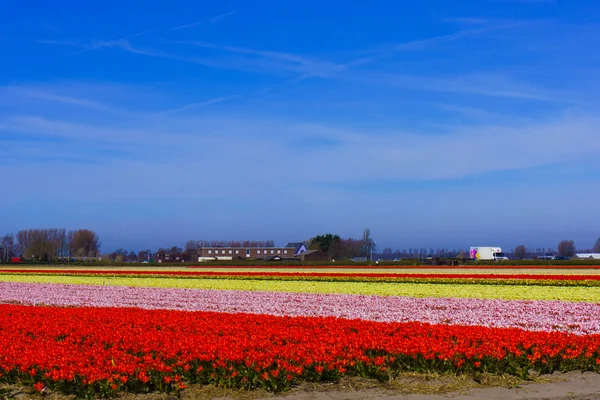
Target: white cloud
[
  {"x": 247, "y": 143},
  {"x": 492, "y": 85},
  {"x": 467, "y": 20},
  {"x": 60, "y": 98},
  {"x": 191, "y": 106},
  {"x": 268, "y": 152},
  {"x": 212, "y": 20}
]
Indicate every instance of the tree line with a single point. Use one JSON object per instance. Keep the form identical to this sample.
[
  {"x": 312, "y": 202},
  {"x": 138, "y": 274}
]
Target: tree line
[
  {"x": 339, "y": 248},
  {"x": 565, "y": 248},
  {"x": 58, "y": 244},
  {"x": 50, "y": 244}
]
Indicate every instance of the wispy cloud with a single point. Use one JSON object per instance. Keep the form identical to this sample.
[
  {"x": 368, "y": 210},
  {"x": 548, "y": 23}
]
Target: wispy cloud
[
  {"x": 478, "y": 84},
  {"x": 467, "y": 20},
  {"x": 281, "y": 62},
  {"x": 191, "y": 106},
  {"x": 126, "y": 159},
  {"x": 64, "y": 99},
  {"x": 421, "y": 44},
  {"x": 307, "y": 67},
  {"x": 385, "y": 51},
  {"x": 532, "y": 144},
  {"x": 525, "y": 1},
  {"x": 241, "y": 50},
  {"x": 45, "y": 96},
  {"x": 249, "y": 60},
  {"x": 114, "y": 42},
  {"x": 212, "y": 20},
  {"x": 109, "y": 43},
  {"x": 470, "y": 112},
  {"x": 284, "y": 60},
  {"x": 60, "y": 42},
  {"x": 208, "y": 62}
]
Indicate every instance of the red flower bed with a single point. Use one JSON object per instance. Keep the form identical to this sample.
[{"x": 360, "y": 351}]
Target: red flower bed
[
  {"x": 423, "y": 267},
  {"x": 551, "y": 277},
  {"x": 99, "y": 351}
]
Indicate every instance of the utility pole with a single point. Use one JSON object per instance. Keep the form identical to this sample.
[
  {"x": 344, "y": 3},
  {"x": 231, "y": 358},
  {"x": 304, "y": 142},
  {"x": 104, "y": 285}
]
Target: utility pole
[
  {"x": 90, "y": 253},
  {"x": 367, "y": 243}
]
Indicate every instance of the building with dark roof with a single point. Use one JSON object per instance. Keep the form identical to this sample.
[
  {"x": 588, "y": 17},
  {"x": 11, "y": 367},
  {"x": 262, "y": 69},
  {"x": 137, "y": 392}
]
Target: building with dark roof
[
  {"x": 314, "y": 255},
  {"x": 243, "y": 253},
  {"x": 299, "y": 247}
]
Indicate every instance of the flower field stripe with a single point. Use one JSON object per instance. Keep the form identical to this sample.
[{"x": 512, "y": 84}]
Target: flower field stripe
[
  {"x": 252, "y": 274},
  {"x": 351, "y": 278},
  {"x": 99, "y": 351},
  {"x": 507, "y": 292},
  {"x": 420, "y": 267},
  {"x": 467, "y": 269},
  {"x": 578, "y": 318}
]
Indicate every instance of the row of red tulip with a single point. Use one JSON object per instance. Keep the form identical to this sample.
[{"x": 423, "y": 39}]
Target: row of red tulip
[{"x": 99, "y": 351}]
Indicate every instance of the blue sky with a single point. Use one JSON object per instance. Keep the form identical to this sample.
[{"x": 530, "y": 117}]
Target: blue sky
[{"x": 437, "y": 124}]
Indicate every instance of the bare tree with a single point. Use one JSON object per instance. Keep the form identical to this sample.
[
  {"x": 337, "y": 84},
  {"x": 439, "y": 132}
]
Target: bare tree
[
  {"x": 566, "y": 248},
  {"x": 596, "y": 248},
  {"x": 24, "y": 242},
  {"x": 387, "y": 253},
  {"x": 347, "y": 248},
  {"x": 8, "y": 247},
  {"x": 191, "y": 249},
  {"x": 70, "y": 243},
  {"x": 160, "y": 254},
  {"x": 61, "y": 242},
  {"x": 132, "y": 257},
  {"x": 174, "y": 253},
  {"x": 115, "y": 254},
  {"x": 144, "y": 255},
  {"x": 520, "y": 252},
  {"x": 38, "y": 244},
  {"x": 85, "y": 242}
]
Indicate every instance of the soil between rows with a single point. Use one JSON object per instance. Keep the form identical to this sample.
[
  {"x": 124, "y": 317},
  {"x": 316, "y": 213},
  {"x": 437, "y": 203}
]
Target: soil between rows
[{"x": 558, "y": 386}]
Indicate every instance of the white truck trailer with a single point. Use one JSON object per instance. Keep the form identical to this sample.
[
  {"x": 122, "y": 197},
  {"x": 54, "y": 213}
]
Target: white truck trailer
[{"x": 487, "y": 253}]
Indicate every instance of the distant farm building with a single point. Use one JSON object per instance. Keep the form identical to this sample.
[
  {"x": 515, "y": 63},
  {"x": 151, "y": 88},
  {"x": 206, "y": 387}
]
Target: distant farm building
[
  {"x": 595, "y": 256},
  {"x": 243, "y": 253},
  {"x": 299, "y": 247},
  {"x": 314, "y": 255}
]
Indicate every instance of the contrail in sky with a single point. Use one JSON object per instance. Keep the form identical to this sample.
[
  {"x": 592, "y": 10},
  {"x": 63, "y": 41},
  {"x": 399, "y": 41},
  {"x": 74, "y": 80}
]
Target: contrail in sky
[{"x": 212, "y": 20}]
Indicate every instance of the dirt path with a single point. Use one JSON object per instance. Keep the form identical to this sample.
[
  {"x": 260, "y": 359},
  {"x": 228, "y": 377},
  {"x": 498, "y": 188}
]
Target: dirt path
[
  {"x": 569, "y": 386},
  {"x": 572, "y": 385}
]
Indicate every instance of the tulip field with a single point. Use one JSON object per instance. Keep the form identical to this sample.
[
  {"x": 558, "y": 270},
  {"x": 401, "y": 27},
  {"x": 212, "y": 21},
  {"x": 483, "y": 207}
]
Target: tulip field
[{"x": 97, "y": 332}]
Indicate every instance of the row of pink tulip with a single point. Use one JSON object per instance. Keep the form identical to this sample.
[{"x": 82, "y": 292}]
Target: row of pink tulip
[{"x": 579, "y": 318}]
